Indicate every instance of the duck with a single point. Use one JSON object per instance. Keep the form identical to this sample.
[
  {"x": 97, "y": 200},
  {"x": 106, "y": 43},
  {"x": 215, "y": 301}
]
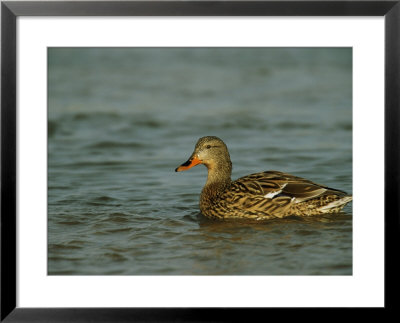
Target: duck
[{"x": 259, "y": 196}]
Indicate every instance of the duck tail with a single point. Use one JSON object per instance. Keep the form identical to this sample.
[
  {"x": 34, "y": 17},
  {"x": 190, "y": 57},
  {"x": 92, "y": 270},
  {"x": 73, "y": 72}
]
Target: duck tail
[{"x": 337, "y": 205}]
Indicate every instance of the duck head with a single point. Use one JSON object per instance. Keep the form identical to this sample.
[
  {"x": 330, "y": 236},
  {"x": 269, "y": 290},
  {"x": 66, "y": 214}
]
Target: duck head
[{"x": 210, "y": 151}]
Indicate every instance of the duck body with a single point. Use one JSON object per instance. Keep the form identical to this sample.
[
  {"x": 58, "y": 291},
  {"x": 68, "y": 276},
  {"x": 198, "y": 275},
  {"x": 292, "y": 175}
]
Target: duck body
[
  {"x": 271, "y": 194},
  {"x": 264, "y": 195}
]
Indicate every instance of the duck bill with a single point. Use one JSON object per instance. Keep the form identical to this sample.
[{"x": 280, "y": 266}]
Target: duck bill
[{"x": 191, "y": 162}]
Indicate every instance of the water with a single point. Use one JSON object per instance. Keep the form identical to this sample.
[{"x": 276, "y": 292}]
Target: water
[{"x": 121, "y": 120}]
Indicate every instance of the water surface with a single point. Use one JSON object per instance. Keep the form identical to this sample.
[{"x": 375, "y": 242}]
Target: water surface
[{"x": 122, "y": 119}]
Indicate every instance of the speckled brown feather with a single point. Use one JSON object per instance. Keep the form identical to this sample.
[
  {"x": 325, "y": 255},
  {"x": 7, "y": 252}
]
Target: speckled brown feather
[{"x": 245, "y": 197}]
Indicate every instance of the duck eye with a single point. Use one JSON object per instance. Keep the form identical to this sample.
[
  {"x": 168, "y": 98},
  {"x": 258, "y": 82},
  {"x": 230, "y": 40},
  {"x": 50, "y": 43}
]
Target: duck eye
[{"x": 208, "y": 146}]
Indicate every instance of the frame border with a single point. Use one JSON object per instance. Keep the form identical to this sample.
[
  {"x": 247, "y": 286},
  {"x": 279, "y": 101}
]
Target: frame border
[{"x": 10, "y": 10}]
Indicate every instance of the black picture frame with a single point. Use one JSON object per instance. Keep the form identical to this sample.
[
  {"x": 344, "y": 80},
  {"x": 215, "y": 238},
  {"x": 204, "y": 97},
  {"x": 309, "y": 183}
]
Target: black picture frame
[{"x": 10, "y": 10}]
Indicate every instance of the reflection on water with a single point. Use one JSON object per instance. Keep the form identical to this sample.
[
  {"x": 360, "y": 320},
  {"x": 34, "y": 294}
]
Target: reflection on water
[{"x": 121, "y": 120}]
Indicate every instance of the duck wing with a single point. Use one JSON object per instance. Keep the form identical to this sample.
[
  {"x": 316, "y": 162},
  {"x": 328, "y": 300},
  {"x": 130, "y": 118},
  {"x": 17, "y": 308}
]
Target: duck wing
[{"x": 274, "y": 192}]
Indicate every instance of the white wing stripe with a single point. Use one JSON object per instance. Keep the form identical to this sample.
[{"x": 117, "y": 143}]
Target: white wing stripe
[{"x": 271, "y": 195}]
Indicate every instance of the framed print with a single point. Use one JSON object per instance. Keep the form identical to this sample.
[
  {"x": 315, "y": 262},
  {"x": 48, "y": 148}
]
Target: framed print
[{"x": 104, "y": 103}]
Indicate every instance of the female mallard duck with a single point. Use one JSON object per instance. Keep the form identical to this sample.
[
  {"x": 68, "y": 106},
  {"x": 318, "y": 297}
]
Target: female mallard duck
[{"x": 258, "y": 196}]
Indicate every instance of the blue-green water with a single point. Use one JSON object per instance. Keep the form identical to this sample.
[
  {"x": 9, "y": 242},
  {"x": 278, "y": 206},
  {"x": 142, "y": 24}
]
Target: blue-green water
[{"x": 121, "y": 120}]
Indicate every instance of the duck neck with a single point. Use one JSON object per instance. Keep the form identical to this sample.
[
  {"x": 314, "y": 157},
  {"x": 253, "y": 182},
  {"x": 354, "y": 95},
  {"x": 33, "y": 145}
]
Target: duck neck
[
  {"x": 218, "y": 180},
  {"x": 219, "y": 176}
]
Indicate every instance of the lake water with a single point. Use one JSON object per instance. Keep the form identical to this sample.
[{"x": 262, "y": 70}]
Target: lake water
[{"x": 122, "y": 119}]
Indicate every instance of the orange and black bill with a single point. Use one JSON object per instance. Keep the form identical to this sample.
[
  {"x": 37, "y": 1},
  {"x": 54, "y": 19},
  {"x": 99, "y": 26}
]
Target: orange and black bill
[{"x": 193, "y": 161}]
